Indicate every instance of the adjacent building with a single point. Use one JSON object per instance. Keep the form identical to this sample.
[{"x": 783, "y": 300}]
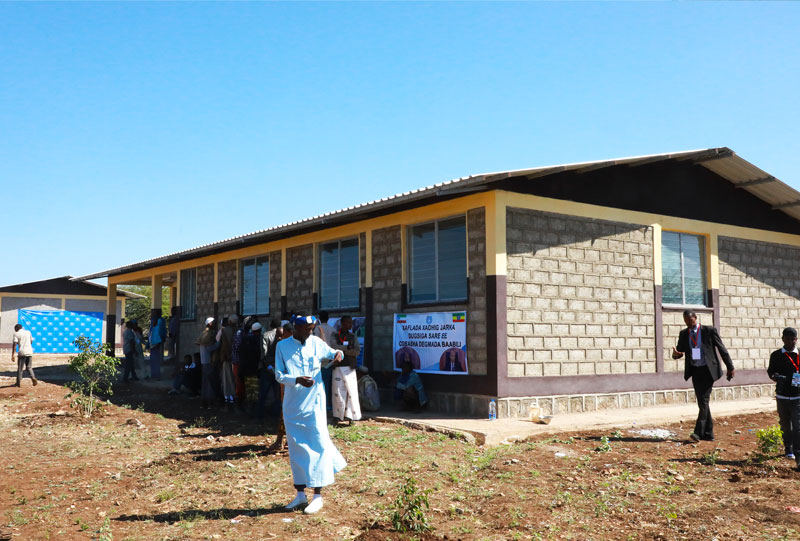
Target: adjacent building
[
  {"x": 573, "y": 278},
  {"x": 56, "y": 311}
]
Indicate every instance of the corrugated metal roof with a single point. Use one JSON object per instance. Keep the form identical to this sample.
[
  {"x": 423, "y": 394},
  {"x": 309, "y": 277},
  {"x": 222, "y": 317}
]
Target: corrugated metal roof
[
  {"x": 722, "y": 161},
  {"x": 64, "y": 285}
]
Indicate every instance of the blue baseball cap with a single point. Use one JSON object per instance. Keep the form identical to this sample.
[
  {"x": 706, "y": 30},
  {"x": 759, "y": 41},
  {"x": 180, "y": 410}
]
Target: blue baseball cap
[{"x": 300, "y": 319}]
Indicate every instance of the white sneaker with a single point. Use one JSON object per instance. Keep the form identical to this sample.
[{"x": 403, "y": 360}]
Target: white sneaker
[
  {"x": 298, "y": 500},
  {"x": 314, "y": 506}
]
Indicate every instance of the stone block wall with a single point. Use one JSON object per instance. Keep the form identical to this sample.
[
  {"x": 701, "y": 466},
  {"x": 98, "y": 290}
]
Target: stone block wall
[
  {"x": 300, "y": 278},
  {"x": 205, "y": 293},
  {"x": 190, "y": 330},
  {"x": 476, "y": 308},
  {"x": 517, "y": 407},
  {"x": 579, "y": 296},
  {"x": 759, "y": 293},
  {"x": 226, "y": 290},
  {"x": 386, "y": 292},
  {"x": 275, "y": 284}
]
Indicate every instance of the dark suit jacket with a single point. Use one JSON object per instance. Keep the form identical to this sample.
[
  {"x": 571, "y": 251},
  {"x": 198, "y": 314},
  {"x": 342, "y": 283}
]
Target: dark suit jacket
[{"x": 710, "y": 343}]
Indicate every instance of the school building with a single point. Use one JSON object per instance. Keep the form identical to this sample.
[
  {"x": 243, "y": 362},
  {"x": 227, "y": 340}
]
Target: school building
[{"x": 573, "y": 277}]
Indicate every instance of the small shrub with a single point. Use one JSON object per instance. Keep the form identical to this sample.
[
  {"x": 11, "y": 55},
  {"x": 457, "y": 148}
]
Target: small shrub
[
  {"x": 711, "y": 458},
  {"x": 770, "y": 442},
  {"x": 165, "y": 495},
  {"x": 604, "y": 446},
  {"x": 96, "y": 372},
  {"x": 105, "y": 531},
  {"x": 409, "y": 509}
]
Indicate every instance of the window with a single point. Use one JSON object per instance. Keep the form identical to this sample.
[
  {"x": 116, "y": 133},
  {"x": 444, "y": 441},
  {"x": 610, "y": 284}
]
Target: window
[
  {"x": 683, "y": 269},
  {"x": 438, "y": 261},
  {"x": 188, "y": 294},
  {"x": 254, "y": 280},
  {"x": 338, "y": 274}
]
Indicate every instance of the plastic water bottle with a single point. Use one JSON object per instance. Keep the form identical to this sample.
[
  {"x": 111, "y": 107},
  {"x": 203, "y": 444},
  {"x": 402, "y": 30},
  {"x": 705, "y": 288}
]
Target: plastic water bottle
[{"x": 492, "y": 410}]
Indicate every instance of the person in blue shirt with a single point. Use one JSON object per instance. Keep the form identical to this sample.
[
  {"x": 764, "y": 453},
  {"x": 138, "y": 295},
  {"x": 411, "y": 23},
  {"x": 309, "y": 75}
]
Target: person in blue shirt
[
  {"x": 313, "y": 457},
  {"x": 409, "y": 390},
  {"x": 158, "y": 333}
]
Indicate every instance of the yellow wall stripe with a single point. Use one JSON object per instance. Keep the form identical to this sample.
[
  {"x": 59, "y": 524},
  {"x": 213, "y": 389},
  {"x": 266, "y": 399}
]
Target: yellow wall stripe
[
  {"x": 408, "y": 217},
  {"x": 495, "y": 204}
]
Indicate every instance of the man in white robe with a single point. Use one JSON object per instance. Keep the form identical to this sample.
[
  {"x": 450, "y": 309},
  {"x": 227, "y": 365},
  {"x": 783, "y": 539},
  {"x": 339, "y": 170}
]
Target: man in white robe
[{"x": 313, "y": 457}]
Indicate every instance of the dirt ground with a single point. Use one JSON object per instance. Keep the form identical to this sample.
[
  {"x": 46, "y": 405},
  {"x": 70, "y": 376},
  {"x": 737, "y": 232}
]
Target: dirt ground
[{"x": 152, "y": 466}]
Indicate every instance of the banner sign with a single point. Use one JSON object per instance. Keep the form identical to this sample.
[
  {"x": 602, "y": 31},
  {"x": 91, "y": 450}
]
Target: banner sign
[
  {"x": 54, "y": 331},
  {"x": 434, "y": 342}
]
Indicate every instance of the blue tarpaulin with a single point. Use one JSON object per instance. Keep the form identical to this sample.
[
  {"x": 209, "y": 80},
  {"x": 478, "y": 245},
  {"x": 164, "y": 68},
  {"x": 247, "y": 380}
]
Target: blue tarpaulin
[{"x": 54, "y": 331}]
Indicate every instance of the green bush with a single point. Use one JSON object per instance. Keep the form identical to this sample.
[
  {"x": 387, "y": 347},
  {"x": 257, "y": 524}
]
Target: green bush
[
  {"x": 770, "y": 442},
  {"x": 409, "y": 508},
  {"x": 604, "y": 446},
  {"x": 96, "y": 372}
]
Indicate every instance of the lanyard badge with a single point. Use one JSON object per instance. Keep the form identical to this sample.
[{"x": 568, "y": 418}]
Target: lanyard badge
[{"x": 694, "y": 336}]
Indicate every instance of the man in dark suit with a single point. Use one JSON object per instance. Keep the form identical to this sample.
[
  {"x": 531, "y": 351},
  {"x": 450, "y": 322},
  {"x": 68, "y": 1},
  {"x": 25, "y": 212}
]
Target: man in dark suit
[{"x": 703, "y": 347}]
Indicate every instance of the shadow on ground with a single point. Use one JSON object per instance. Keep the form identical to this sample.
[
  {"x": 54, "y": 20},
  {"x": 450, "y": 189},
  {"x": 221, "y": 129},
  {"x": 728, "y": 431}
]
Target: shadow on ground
[
  {"x": 223, "y": 513},
  {"x": 56, "y": 374}
]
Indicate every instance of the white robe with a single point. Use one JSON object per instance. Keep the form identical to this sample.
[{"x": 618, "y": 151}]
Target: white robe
[
  {"x": 314, "y": 458},
  {"x": 345, "y": 394}
]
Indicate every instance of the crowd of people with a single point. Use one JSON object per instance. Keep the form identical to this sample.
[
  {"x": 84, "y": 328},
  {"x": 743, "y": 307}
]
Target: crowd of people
[{"x": 235, "y": 350}]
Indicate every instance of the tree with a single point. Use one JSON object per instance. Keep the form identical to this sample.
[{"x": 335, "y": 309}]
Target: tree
[
  {"x": 96, "y": 372},
  {"x": 139, "y": 309}
]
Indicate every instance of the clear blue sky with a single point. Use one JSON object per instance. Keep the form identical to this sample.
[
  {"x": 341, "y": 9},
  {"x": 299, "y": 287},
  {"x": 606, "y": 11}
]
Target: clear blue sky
[{"x": 211, "y": 120}]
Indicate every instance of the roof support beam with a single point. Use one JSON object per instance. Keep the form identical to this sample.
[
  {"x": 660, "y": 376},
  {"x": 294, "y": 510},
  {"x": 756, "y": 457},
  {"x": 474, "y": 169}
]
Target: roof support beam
[
  {"x": 601, "y": 165},
  {"x": 756, "y": 182},
  {"x": 786, "y": 205},
  {"x": 715, "y": 154},
  {"x": 537, "y": 174}
]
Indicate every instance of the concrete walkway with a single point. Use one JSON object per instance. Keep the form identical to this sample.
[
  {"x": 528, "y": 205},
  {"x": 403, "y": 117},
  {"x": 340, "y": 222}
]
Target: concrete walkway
[{"x": 485, "y": 432}]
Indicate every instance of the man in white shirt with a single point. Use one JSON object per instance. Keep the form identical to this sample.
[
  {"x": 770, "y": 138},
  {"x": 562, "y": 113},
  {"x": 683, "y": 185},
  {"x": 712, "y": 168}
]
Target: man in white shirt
[
  {"x": 24, "y": 342},
  {"x": 322, "y": 329}
]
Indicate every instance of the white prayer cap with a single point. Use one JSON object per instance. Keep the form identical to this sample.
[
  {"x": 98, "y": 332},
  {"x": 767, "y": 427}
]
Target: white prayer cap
[
  {"x": 209, "y": 321},
  {"x": 256, "y": 326}
]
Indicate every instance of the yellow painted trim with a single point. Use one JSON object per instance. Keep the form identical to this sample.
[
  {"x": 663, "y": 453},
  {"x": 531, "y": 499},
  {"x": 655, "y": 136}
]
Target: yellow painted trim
[
  {"x": 216, "y": 281},
  {"x": 56, "y": 296},
  {"x": 155, "y": 285},
  {"x": 368, "y": 249},
  {"x": 124, "y": 306},
  {"x": 111, "y": 300},
  {"x": 283, "y": 271},
  {"x": 713, "y": 260},
  {"x": 412, "y": 216},
  {"x": 64, "y": 301},
  {"x": 496, "y": 204},
  {"x": 496, "y": 234},
  {"x": 178, "y": 300},
  {"x": 657, "y": 261}
]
